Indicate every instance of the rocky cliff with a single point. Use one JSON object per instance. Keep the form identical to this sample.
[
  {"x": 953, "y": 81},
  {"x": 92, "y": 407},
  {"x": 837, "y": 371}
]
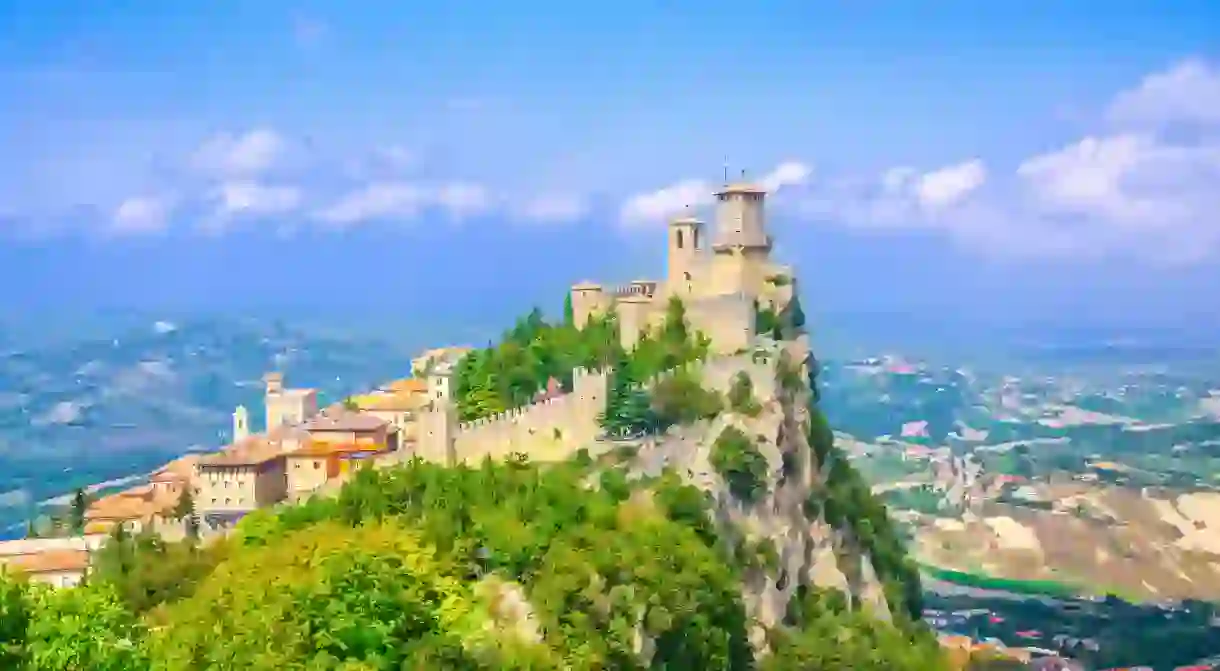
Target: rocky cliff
[{"x": 766, "y": 483}]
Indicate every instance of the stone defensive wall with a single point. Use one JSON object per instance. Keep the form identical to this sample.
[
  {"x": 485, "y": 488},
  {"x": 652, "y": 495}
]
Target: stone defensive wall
[
  {"x": 547, "y": 430},
  {"x": 554, "y": 429}
]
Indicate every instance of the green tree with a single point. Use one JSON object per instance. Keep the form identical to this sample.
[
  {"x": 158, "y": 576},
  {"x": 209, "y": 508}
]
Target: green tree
[
  {"x": 738, "y": 461},
  {"x": 569, "y": 317},
  {"x": 76, "y": 515},
  {"x": 86, "y": 627},
  {"x": 741, "y": 395},
  {"x": 15, "y": 615}
]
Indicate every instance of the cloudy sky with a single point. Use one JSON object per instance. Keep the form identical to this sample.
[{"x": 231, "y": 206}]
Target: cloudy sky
[{"x": 1014, "y": 160}]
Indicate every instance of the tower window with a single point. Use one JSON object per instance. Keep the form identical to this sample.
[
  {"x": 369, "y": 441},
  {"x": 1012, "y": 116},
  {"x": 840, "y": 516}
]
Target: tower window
[{"x": 679, "y": 232}]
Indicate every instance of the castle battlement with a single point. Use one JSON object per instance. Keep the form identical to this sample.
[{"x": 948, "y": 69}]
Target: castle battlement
[
  {"x": 511, "y": 414},
  {"x": 638, "y": 288}
]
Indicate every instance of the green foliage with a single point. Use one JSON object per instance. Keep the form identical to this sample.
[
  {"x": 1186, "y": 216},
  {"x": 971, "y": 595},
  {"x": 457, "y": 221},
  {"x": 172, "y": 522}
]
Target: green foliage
[
  {"x": 331, "y": 596},
  {"x": 146, "y": 571},
  {"x": 741, "y": 395},
  {"x": 848, "y": 502},
  {"x": 825, "y": 635},
  {"x": 86, "y": 627},
  {"x": 681, "y": 399},
  {"x": 510, "y": 374},
  {"x": 766, "y": 322},
  {"x": 351, "y": 404},
  {"x": 595, "y": 563},
  {"x": 15, "y": 614},
  {"x": 738, "y": 461},
  {"x": 628, "y": 409},
  {"x": 76, "y": 516}
]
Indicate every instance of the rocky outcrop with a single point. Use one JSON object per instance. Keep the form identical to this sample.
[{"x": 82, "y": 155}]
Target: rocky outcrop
[{"x": 790, "y": 547}]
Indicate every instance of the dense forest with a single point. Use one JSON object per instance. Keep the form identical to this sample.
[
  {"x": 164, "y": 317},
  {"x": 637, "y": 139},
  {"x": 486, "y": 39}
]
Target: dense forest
[{"x": 513, "y": 565}]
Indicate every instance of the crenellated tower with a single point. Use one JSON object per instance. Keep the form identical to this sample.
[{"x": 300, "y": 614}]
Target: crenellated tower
[{"x": 741, "y": 247}]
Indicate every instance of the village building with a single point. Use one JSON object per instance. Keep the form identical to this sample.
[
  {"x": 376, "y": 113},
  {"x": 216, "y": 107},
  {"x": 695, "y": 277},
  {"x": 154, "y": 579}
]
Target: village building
[
  {"x": 350, "y": 426},
  {"x": 313, "y": 468},
  {"x": 59, "y": 562},
  {"x": 396, "y": 404},
  {"x": 238, "y": 480},
  {"x": 57, "y": 568}
]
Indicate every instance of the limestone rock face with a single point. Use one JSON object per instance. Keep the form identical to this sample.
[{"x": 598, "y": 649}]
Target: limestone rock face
[{"x": 808, "y": 551}]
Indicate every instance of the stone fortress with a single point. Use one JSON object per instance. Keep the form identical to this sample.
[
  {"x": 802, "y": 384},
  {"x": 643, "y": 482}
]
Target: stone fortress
[{"x": 720, "y": 287}]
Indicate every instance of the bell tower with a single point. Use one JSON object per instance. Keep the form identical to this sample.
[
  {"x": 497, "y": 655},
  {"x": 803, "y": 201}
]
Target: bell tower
[{"x": 685, "y": 245}]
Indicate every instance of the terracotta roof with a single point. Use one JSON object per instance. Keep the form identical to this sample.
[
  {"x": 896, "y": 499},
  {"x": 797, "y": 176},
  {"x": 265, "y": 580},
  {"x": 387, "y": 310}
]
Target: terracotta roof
[
  {"x": 50, "y": 561},
  {"x": 178, "y": 470},
  {"x": 408, "y": 384},
  {"x": 139, "y": 502},
  {"x": 253, "y": 451},
  {"x": 344, "y": 420},
  {"x": 390, "y": 401},
  {"x": 325, "y": 449}
]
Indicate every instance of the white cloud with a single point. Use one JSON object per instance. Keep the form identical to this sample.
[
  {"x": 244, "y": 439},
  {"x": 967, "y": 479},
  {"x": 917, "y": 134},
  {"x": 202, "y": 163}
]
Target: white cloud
[
  {"x": 1188, "y": 92},
  {"x": 141, "y": 215},
  {"x": 950, "y": 185},
  {"x": 657, "y": 206},
  {"x": 247, "y": 155},
  {"x": 1136, "y": 192},
  {"x": 553, "y": 208},
  {"x": 376, "y": 201},
  {"x": 404, "y": 200},
  {"x": 462, "y": 199},
  {"x": 249, "y": 198},
  {"x": 786, "y": 174}
]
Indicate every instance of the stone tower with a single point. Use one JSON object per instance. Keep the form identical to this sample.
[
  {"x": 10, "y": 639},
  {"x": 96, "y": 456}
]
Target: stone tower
[
  {"x": 241, "y": 424},
  {"x": 272, "y": 396},
  {"x": 438, "y": 422},
  {"x": 741, "y": 247},
  {"x": 685, "y": 244}
]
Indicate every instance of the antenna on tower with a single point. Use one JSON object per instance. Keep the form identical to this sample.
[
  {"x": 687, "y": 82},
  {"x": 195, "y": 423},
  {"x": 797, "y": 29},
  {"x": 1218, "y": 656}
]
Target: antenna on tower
[{"x": 726, "y": 170}]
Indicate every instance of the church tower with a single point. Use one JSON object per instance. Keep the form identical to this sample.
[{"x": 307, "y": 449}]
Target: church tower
[
  {"x": 741, "y": 247},
  {"x": 241, "y": 424},
  {"x": 685, "y": 245}
]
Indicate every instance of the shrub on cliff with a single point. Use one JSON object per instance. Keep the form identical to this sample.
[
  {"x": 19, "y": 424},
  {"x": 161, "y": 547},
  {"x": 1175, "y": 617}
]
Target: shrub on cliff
[
  {"x": 738, "y": 461},
  {"x": 741, "y": 395}
]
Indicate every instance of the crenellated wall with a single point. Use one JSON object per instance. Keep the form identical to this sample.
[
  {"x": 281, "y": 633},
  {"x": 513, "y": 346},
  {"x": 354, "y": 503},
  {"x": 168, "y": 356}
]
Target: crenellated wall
[
  {"x": 554, "y": 429},
  {"x": 547, "y": 430}
]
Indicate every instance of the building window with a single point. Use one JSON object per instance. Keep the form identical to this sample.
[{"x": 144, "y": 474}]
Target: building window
[
  {"x": 317, "y": 465},
  {"x": 679, "y": 232}
]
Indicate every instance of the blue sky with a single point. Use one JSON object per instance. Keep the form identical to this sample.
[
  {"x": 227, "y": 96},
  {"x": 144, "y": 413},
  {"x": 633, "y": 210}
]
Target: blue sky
[{"x": 954, "y": 161}]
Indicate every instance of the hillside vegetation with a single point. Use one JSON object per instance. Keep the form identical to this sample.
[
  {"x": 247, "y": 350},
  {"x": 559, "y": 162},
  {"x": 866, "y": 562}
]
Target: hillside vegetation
[{"x": 581, "y": 564}]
